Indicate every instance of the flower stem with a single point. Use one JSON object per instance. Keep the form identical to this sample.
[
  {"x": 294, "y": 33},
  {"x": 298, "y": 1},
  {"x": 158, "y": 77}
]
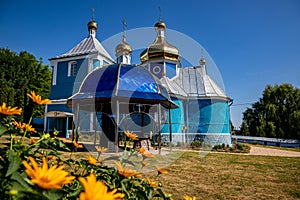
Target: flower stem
[
  {"x": 12, "y": 137},
  {"x": 25, "y": 132}
]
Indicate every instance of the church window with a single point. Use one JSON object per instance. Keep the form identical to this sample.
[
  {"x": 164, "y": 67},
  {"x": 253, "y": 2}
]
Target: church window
[
  {"x": 96, "y": 63},
  {"x": 156, "y": 70},
  {"x": 72, "y": 69},
  {"x": 54, "y": 74}
]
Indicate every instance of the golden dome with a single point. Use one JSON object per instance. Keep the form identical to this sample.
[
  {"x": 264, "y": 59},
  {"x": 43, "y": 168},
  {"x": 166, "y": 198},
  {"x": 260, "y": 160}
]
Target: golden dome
[
  {"x": 160, "y": 24},
  {"x": 123, "y": 48},
  {"x": 202, "y": 61},
  {"x": 92, "y": 25},
  {"x": 160, "y": 48}
]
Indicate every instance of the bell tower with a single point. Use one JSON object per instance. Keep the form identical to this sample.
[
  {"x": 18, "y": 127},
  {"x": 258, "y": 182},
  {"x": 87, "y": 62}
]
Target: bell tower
[{"x": 161, "y": 58}]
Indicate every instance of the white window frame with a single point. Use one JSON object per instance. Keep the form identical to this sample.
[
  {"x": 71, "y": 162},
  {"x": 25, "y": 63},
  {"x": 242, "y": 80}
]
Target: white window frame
[
  {"x": 71, "y": 63},
  {"x": 54, "y": 73}
]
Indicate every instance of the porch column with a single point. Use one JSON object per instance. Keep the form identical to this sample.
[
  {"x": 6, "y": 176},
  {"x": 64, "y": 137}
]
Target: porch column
[
  {"x": 95, "y": 127},
  {"x": 76, "y": 123},
  {"x": 158, "y": 125},
  {"x": 67, "y": 128},
  {"x": 47, "y": 130},
  {"x": 117, "y": 103},
  {"x": 170, "y": 126}
]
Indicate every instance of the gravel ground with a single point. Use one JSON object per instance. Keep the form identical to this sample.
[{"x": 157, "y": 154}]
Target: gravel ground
[{"x": 272, "y": 152}]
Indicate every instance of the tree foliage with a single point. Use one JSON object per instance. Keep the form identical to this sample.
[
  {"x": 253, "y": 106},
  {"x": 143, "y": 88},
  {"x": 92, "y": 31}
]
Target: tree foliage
[
  {"x": 276, "y": 114},
  {"x": 20, "y": 74}
]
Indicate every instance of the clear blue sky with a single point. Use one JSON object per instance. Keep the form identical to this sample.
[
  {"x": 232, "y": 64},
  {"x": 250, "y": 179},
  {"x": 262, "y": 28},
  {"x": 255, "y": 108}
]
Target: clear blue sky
[{"x": 252, "y": 42}]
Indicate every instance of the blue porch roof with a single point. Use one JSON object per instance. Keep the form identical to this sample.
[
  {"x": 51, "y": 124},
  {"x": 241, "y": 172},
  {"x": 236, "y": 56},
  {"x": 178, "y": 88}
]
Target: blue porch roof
[{"x": 125, "y": 82}]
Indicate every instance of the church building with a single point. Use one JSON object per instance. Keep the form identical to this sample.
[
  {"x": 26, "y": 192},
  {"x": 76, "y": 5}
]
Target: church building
[{"x": 181, "y": 104}]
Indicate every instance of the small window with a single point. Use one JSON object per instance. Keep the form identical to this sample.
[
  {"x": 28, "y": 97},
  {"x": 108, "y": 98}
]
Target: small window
[
  {"x": 96, "y": 63},
  {"x": 72, "y": 70},
  {"x": 105, "y": 62}
]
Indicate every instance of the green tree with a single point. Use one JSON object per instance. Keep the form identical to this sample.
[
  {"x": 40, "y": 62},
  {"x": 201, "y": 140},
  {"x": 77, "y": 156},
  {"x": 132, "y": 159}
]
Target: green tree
[
  {"x": 244, "y": 129},
  {"x": 20, "y": 74},
  {"x": 276, "y": 114}
]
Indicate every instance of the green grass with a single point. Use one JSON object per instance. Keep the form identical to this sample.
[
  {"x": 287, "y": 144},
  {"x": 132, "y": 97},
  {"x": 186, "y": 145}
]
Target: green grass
[{"x": 227, "y": 176}]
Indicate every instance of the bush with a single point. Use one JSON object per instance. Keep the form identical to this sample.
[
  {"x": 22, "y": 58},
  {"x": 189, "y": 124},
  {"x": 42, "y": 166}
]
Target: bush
[
  {"x": 196, "y": 144},
  {"x": 235, "y": 148}
]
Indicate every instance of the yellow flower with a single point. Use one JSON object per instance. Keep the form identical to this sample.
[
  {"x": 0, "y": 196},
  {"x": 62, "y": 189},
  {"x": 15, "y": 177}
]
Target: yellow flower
[
  {"x": 131, "y": 135},
  {"x": 32, "y": 141},
  {"x": 29, "y": 128},
  {"x": 23, "y": 126},
  {"x": 13, "y": 192},
  {"x": 101, "y": 149},
  {"x": 145, "y": 153},
  {"x": 92, "y": 160},
  {"x": 78, "y": 146},
  {"x": 161, "y": 171},
  {"x": 38, "y": 99},
  {"x": 142, "y": 150},
  {"x": 186, "y": 197},
  {"x": 94, "y": 190},
  {"x": 127, "y": 172},
  {"x": 45, "y": 178},
  {"x": 152, "y": 183},
  {"x": 10, "y": 111},
  {"x": 19, "y": 125},
  {"x": 46, "y": 136}
]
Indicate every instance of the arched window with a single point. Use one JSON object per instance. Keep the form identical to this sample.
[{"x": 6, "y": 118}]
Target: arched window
[{"x": 72, "y": 69}]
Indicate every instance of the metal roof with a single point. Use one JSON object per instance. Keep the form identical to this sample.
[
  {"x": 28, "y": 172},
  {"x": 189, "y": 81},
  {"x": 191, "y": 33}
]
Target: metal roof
[
  {"x": 86, "y": 46},
  {"x": 122, "y": 81},
  {"x": 172, "y": 87},
  {"x": 195, "y": 82}
]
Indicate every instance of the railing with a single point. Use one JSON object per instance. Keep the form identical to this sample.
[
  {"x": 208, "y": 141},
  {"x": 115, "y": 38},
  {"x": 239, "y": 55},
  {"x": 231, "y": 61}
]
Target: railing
[{"x": 266, "y": 141}]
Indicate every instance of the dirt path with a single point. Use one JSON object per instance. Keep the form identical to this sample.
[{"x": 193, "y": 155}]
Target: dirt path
[{"x": 272, "y": 152}]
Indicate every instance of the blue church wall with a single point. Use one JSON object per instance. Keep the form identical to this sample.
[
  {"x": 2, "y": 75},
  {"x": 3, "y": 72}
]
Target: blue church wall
[
  {"x": 66, "y": 85},
  {"x": 177, "y": 118},
  {"x": 208, "y": 116}
]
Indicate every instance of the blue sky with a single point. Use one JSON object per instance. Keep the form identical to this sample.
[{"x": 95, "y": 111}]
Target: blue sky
[{"x": 252, "y": 42}]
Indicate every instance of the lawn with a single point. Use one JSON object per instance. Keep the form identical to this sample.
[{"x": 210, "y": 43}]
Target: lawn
[{"x": 228, "y": 176}]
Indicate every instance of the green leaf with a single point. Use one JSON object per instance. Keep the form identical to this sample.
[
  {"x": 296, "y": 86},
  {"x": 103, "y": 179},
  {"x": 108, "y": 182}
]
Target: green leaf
[
  {"x": 21, "y": 182},
  {"x": 3, "y": 129},
  {"x": 53, "y": 194},
  {"x": 14, "y": 162}
]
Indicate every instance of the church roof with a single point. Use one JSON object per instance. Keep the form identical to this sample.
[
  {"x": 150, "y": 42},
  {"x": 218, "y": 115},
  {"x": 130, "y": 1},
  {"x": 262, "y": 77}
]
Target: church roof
[
  {"x": 86, "y": 46},
  {"x": 172, "y": 87},
  {"x": 128, "y": 82},
  {"x": 197, "y": 84}
]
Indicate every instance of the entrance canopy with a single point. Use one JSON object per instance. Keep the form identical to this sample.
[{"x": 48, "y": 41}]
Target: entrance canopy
[
  {"x": 131, "y": 83},
  {"x": 58, "y": 114}
]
